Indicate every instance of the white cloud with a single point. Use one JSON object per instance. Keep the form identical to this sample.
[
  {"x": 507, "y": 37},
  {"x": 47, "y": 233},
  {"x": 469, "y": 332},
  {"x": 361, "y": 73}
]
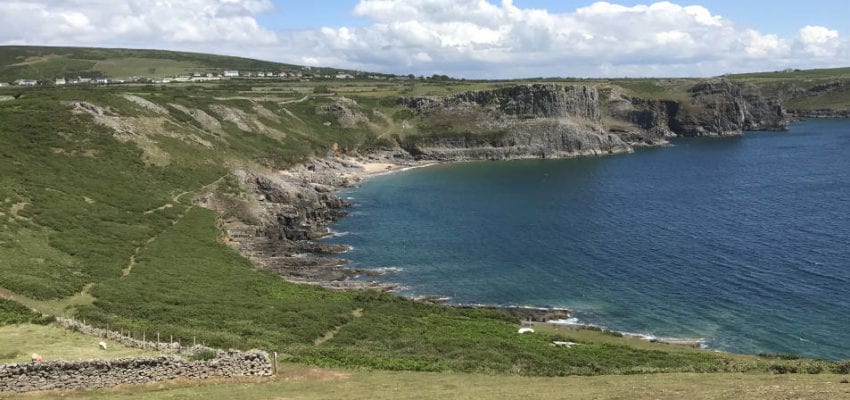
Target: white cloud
[
  {"x": 819, "y": 41},
  {"x": 472, "y": 38},
  {"x": 160, "y": 23},
  {"x": 762, "y": 46}
]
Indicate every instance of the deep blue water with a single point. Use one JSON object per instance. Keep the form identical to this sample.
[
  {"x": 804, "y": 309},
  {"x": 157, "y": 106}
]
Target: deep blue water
[{"x": 742, "y": 241}]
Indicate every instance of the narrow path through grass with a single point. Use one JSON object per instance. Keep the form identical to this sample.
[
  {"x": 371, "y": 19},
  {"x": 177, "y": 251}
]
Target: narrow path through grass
[{"x": 330, "y": 334}]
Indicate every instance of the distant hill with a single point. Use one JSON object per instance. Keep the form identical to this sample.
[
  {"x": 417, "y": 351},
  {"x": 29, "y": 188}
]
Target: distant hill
[
  {"x": 797, "y": 74},
  {"x": 48, "y": 63}
]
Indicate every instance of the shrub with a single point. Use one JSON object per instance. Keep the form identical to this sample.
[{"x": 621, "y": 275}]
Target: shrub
[{"x": 205, "y": 355}]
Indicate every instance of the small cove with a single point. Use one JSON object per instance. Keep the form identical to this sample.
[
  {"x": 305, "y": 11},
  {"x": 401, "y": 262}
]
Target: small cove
[{"x": 743, "y": 241}]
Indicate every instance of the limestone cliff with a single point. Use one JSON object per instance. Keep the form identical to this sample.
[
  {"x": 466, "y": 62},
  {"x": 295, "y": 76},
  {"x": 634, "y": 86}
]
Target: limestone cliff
[
  {"x": 528, "y": 121},
  {"x": 548, "y": 120},
  {"x": 719, "y": 107},
  {"x": 277, "y": 217}
]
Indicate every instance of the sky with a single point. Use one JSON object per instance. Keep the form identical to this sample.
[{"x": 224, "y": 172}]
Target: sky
[{"x": 461, "y": 38}]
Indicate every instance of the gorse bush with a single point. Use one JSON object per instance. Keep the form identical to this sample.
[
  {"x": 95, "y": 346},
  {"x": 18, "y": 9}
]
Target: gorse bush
[{"x": 14, "y": 313}]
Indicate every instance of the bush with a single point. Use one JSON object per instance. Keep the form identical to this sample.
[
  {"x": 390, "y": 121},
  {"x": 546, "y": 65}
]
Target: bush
[
  {"x": 205, "y": 355},
  {"x": 14, "y": 313},
  {"x": 779, "y": 356}
]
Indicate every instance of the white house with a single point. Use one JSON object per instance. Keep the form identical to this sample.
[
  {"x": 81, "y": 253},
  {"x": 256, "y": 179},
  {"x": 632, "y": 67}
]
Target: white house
[
  {"x": 231, "y": 74},
  {"x": 3, "y": 84},
  {"x": 26, "y": 82},
  {"x": 60, "y": 81},
  {"x": 344, "y": 76},
  {"x": 101, "y": 81}
]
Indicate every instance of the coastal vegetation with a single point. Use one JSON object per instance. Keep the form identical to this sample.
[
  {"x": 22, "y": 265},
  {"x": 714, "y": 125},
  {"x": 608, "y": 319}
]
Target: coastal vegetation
[{"x": 98, "y": 220}]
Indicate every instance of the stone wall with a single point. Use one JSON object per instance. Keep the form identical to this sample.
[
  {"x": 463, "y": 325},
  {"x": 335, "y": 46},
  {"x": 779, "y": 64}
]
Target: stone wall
[
  {"x": 64, "y": 375},
  {"x": 129, "y": 341}
]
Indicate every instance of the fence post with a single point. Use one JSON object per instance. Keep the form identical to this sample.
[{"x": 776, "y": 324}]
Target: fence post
[{"x": 274, "y": 363}]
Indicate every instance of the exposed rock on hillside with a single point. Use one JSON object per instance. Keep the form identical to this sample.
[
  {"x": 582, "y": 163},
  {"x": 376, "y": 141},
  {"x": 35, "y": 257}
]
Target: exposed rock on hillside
[
  {"x": 719, "y": 108},
  {"x": 208, "y": 122},
  {"x": 530, "y": 121},
  {"x": 524, "y": 101},
  {"x": 547, "y": 120},
  {"x": 346, "y": 110},
  {"x": 146, "y": 104},
  {"x": 276, "y": 221}
]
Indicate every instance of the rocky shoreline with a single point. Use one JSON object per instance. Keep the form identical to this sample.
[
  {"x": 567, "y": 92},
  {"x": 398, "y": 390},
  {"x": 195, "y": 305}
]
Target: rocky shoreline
[{"x": 276, "y": 218}]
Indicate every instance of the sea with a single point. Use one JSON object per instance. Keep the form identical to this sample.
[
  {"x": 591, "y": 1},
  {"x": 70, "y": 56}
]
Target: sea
[{"x": 743, "y": 242}]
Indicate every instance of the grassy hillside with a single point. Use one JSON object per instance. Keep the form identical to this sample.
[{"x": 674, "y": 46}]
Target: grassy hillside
[
  {"x": 797, "y": 75},
  {"x": 97, "y": 221},
  {"x": 55, "y": 343},
  {"x": 804, "y": 90},
  {"x": 48, "y": 63}
]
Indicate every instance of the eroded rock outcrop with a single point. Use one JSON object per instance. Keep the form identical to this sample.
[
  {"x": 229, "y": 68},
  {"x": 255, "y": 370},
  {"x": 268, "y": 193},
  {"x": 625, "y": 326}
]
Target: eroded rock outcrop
[
  {"x": 276, "y": 221},
  {"x": 523, "y": 101},
  {"x": 720, "y": 107},
  {"x": 527, "y": 121},
  {"x": 548, "y": 120}
]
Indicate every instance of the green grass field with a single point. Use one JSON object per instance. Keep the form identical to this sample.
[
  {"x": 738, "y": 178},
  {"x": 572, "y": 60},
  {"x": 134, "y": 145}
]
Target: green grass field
[
  {"x": 297, "y": 382},
  {"x": 20, "y": 341}
]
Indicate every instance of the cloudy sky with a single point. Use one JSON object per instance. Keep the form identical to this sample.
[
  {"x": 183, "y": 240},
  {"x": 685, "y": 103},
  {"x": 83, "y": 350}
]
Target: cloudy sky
[{"x": 462, "y": 38}]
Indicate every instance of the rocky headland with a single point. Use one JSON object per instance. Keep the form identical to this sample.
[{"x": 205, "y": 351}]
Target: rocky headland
[
  {"x": 553, "y": 121},
  {"x": 278, "y": 218}
]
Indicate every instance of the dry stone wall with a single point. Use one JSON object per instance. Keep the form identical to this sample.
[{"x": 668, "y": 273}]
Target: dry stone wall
[{"x": 64, "y": 375}]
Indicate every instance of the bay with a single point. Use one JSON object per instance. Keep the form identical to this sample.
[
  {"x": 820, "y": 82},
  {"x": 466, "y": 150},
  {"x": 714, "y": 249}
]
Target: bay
[{"x": 742, "y": 241}]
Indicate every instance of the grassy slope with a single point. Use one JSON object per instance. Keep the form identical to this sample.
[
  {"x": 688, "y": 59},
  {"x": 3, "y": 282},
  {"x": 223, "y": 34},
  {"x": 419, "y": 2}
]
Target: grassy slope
[
  {"x": 77, "y": 205},
  {"x": 297, "y": 382},
  {"x": 48, "y": 63},
  {"x": 55, "y": 343},
  {"x": 12, "y": 313},
  {"x": 784, "y": 85},
  {"x": 87, "y": 209}
]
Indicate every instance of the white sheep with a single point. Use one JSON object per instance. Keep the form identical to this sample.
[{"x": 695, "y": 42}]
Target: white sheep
[
  {"x": 36, "y": 358},
  {"x": 102, "y": 345}
]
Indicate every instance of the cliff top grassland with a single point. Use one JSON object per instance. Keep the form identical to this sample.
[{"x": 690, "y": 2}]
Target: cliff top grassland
[{"x": 99, "y": 217}]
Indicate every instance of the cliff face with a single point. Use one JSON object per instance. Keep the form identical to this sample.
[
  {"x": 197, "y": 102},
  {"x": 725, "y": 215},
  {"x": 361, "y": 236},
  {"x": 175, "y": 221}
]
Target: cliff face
[
  {"x": 530, "y": 121},
  {"x": 720, "y": 108},
  {"x": 546, "y": 120},
  {"x": 526, "y": 101},
  {"x": 277, "y": 219}
]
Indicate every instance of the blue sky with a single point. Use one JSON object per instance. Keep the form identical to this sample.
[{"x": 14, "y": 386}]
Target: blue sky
[
  {"x": 779, "y": 16},
  {"x": 461, "y": 38}
]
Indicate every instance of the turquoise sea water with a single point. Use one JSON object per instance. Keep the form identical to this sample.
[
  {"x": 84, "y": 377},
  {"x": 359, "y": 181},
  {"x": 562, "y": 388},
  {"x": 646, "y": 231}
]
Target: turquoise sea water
[{"x": 742, "y": 241}]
